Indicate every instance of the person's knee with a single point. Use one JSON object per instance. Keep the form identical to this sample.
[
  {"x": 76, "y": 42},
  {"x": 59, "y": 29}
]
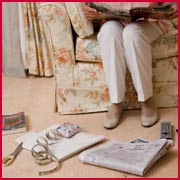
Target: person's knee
[
  {"x": 110, "y": 29},
  {"x": 131, "y": 33}
]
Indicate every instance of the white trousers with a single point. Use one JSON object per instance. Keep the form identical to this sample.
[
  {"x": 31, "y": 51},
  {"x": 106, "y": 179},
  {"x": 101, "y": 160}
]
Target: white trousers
[{"x": 128, "y": 47}]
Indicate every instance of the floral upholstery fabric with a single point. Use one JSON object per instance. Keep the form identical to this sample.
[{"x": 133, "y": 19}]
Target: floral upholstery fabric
[
  {"x": 83, "y": 100},
  {"x": 165, "y": 70},
  {"x": 81, "y": 25},
  {"x": 37, "y": 53},
  {"x": 88, "y": 75},
  {"x": 166, "y": 46},
  {"x": 58, "y": 32},
  {"x": 80, "y": 81},
  {"x": 88, "y": 49}
]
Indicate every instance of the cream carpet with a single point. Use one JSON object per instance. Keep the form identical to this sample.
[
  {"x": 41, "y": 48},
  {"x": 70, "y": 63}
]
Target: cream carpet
[{"x": 35, "y": 96}]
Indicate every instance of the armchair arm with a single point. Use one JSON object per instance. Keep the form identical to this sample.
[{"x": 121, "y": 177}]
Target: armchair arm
[
  {"x": 58, "y": 32},
  {"x": 82, "y": 26}
]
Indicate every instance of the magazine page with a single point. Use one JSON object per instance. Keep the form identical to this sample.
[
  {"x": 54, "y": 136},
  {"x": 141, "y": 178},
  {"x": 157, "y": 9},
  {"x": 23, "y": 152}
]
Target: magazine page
[
  {"x": 127, "y": 16},
  {"x": 108, "y": 12},
  {"x": 127, "y": 157}
]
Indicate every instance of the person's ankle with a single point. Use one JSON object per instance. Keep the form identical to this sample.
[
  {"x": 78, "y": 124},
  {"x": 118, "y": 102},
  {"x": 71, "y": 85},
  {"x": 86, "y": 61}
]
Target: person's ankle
[
  {"x": 115, "y": 110},
  {"x": 149, "y": 115},
  {"x": 113, "y": 116},
  {"x": 148, "y": 107}
]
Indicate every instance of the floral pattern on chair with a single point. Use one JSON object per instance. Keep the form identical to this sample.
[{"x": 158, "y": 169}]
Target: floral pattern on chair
[
  {"x": 58, "y": 31},
  {"x": 88, "y": 75},
  {"x": 80, "y": 81},
  {"x": 84, "y": 100},
  {"x": 165, "y": 70},
  {"x": 166, "y": 46},
  {"x": 88, "y": 49},
  {"x": 82, "y": 26}
]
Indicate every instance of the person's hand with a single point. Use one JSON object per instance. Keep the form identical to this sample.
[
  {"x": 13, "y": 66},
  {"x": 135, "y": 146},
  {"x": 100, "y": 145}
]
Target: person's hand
[
  {"x": 91, "y": 13},
  {"x": 174, "y": 13}
]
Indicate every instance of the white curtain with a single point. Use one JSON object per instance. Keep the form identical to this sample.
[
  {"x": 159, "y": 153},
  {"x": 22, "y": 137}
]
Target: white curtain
[
  {"x": 11, "y": 52},
  {"x": 22, "y": 35}
]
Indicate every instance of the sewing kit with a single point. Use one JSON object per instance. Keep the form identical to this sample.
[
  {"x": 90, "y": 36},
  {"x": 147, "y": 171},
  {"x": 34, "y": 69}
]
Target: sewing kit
[
  {"x": 57, "y": 143},
  {"x": 65, "y": 130}
]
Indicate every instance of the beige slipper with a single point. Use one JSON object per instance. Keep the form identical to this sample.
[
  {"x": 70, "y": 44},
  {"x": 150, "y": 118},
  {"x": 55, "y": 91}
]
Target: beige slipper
[
  {"x": 149, "y": 121},
  {"x": 110, "y": 123}
]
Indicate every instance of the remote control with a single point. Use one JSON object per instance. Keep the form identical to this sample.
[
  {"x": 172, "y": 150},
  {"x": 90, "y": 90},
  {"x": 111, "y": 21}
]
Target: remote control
[{"x": 166, "y": 130}]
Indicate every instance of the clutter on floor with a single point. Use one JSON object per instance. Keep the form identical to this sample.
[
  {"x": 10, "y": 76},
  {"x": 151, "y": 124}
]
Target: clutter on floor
[
  {"x": 13, "y": 123},
  {"x": 59, "y": 149},
  {"x": 135, "y": 157},
  {"x": 59, "y": 142},
  {"x": 66, "y": 130},
  {"x": 44, "y": 156},
  {"x": 166, "y": 130},
  {"x": 8, "y": 160}
]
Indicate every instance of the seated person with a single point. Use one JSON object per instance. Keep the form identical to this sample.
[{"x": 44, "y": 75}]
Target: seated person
[{"x": 128, "y": 45}]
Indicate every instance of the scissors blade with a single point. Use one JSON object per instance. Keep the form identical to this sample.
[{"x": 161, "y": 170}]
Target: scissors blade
[{"x": 17, "y": 150}]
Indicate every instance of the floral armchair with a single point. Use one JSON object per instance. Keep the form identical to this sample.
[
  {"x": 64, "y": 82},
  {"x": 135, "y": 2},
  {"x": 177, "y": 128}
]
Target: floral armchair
[{"x": 78, "y": 69}]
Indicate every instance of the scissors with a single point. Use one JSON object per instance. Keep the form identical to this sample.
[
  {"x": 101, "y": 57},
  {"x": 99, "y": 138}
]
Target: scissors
[
  {"x": 11, "y": 157},
  {"x": 43, "y": 155}
]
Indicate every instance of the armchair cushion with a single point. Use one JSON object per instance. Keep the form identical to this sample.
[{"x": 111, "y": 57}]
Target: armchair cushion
[
  {"x": 166, "y": 46},
  {"x": 88, "y": 75},
  {"x": 87, "y": 49},
  {"x": 81, "y": 25}
]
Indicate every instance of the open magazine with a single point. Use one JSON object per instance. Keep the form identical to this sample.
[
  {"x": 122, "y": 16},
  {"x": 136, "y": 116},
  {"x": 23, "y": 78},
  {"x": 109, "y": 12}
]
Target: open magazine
[
  {"x": 133, "y": 14},
  {"x": 135, "y": 158}
]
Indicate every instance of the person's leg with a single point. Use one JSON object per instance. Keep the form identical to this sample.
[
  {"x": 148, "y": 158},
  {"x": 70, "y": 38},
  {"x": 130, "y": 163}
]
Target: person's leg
[
  {"x": 137, "y": 39},
  {"x": 112, "y": 52}
]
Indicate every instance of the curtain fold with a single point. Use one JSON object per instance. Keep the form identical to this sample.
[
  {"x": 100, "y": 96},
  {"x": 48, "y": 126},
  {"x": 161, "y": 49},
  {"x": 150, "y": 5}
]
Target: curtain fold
[
  {"x": 12, "y": 64},
  {"x": 37, "y": 52}
]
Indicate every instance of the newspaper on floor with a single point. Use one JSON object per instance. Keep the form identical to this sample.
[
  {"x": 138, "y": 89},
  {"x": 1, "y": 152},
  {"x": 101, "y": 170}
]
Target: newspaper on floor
[{"x": 135, "y": 158}]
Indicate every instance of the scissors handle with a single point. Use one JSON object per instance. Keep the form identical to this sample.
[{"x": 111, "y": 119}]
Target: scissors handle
[{"x": 11, "y": 157}]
